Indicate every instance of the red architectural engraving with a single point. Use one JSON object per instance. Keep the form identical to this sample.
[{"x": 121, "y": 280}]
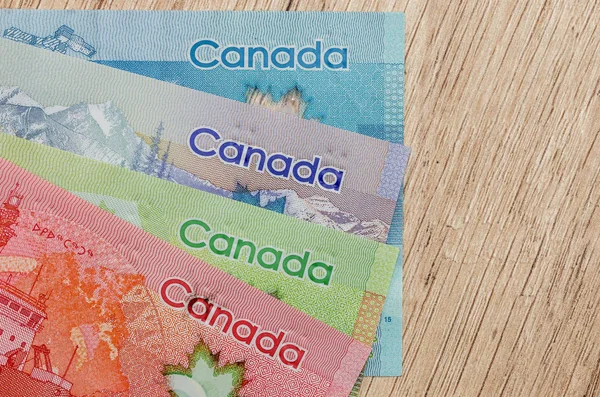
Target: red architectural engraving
[{"x": 21, "y": 317}]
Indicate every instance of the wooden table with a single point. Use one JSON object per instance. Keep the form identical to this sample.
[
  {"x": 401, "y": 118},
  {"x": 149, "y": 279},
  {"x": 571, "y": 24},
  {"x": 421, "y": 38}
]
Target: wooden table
[{"x": 502, "y": 217}]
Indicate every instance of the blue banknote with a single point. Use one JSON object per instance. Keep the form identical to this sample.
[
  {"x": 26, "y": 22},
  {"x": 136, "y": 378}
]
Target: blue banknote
[{"x": 341, "y": 69}]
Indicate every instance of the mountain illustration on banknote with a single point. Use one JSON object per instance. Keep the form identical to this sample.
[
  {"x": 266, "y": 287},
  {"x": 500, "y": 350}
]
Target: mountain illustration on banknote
[{"x": 102, "y": 132}]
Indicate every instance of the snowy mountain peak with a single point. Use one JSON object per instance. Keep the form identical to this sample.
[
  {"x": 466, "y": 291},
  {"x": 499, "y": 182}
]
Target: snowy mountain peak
[
  {"x": 14, "y": 96},
  {"x": 101, "y": 113},
  {"x": 322, "y": 204},
  {"x": 267, "y": 196},
  {"x": 373, "y": 230},
  {"x": 320, "y": 210}
]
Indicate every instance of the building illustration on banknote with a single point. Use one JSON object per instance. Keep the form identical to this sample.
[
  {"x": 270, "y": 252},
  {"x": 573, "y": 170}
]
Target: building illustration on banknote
[
  {"x": 21, "y": 318},
  {"x": 22, "y": 315},
  {"x": 63, "y": 39}
]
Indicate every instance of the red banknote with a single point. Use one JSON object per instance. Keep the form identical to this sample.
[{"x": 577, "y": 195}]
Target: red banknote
[{"x": 90, "y": 305}]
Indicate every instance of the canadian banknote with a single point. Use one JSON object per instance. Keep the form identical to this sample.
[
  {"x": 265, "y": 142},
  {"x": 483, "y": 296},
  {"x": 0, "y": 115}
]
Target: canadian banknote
[
  {"x": 333, "y": 276},
  {"x": 340, "y": 69},
  {"x": 92, "y": 305},
  {"x": 201, "y": 140}
]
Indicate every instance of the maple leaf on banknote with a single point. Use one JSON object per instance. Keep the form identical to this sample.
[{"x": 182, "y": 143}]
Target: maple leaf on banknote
[
  {"x": 203, "y": 377},
  {"x": 291, "y": 102}
]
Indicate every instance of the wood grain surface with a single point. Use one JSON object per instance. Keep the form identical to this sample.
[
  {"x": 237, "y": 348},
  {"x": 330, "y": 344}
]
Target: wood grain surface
[{"x": 502, "y": 217}]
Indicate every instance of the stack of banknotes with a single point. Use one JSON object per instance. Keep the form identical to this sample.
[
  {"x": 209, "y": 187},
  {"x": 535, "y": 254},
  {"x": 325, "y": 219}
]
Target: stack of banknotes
[{"x": 200, "y": 203}]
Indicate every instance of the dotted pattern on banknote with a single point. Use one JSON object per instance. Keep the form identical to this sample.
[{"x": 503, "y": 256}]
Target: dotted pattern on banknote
[
  {"x": 394, "y": 103},
  {"x": 344, "y": 376},
  {"x": 368, "y": 318},
  {"x": 391, "y": 181}
]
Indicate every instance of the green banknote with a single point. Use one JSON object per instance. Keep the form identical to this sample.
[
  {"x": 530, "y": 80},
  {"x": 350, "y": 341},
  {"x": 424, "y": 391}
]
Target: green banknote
[{"x": 336, "y": 277}]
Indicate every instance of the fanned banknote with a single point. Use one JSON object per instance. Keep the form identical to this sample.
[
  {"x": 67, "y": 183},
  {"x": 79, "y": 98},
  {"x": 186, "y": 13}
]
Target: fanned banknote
[
  {"x": 340, "y": 69},
  {"x": 92, "y": 305},
  {"x": 201, "y": 140},
  {"x": 333, "y": 276}
]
